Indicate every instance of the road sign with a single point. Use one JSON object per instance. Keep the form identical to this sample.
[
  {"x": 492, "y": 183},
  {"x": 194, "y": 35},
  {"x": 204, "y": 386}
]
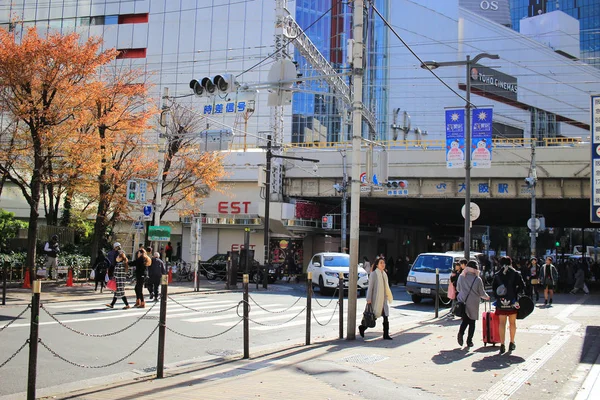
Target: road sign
[
  {"x": 485, "y": 238},
  {"x": 147, "y": 210},
  {"x": 534, "y": 224},
  {"x": 327, "y": 221},
  {"x": 159, "y": 233},
  {"x": 475, "y": 211},
  {"x": 595, "y": 165},
  {"x": 139, "y": 225},
  {"x": 143, "y": 188}
]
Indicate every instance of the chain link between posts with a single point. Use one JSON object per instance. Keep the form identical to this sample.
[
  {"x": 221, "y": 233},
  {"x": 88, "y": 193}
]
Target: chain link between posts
[
  {"x": 203, "y": 311},
  {"x": 276, "y": 312},
  {"x": 330, "y": 318},
  {"x": 205, "y": 337},
  {"x": 15, "y": 318},
  {"x": 14, "y": 354},
  {"x": 333, "y": 297},
  {"x": 55, "y": 354},
  {"x": 283, "y": 323},
  {"x": 98, "y": 334}
]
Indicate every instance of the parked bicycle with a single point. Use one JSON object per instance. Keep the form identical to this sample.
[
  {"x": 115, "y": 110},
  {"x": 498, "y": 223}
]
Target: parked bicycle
[{"x": 184, "y": 271}]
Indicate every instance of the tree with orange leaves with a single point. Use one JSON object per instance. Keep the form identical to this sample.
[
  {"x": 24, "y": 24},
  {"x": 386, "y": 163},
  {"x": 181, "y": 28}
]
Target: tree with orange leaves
[{"x": 44, "y": 83}]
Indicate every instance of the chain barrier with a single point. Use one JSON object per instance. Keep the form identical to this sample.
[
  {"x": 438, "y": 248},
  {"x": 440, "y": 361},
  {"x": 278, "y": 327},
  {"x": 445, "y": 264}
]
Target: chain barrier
[
  {"x": 444, "y": 302},
  {"x": 55, "y": 354},
  {"x": 15, "y": 318},
  {"x": 98, "y": 334},
  {"x": 276, "y": 312},
  {"x": 205, "y": 337},
  {"x": 283, "y": 323},
  {"x": 330, "y": 318},
  {"x": 14, "y": 354},
  {"x": 333, "y": 297},
  {"x": 203, "y": 311}
]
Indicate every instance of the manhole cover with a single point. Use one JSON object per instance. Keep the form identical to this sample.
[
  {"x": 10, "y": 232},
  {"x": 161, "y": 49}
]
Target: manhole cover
[
  {"x": 364, "y": 358},
  {"x": 223, "y": 353}
]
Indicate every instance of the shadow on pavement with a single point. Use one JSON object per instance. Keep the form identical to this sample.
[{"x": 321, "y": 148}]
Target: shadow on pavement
[
  {"x": 495, "y": 362},
  {"x": 449, "y": 356}
]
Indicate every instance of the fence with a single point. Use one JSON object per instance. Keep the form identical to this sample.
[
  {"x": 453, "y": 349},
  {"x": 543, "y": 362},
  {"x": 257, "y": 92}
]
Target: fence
[{"x": 243, "y": 309}]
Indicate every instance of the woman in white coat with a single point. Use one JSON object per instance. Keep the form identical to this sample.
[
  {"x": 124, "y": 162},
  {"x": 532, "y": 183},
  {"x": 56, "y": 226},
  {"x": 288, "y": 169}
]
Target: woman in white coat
[{"x": 379, "y": 295}]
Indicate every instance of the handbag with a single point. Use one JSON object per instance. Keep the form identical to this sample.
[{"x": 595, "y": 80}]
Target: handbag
[
  {"x": 112, "y": 285},
  {"x": 526, "y": 307},
  {"x": 460, "y": 309},
  {"x": 369, "y": 319},
  {"x": 535, "y": 281},
  {"x": 92, "y": 274}
]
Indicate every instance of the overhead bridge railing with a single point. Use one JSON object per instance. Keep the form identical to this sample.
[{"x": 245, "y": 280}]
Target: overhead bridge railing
[{"x": 433, "y": 144}]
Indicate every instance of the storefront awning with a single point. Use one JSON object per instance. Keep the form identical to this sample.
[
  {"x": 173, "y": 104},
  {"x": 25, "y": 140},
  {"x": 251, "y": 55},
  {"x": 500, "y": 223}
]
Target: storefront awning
[{"x": 277, "y": 227}]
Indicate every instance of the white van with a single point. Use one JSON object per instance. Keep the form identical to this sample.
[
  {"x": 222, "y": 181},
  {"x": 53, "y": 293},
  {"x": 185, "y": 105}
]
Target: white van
[{"x": 421, "y": 278}]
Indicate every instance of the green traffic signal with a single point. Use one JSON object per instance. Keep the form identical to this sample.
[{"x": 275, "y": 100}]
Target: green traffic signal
[
  {"x": 557, "y": 244},
  {"x": 131, "y": 195}
]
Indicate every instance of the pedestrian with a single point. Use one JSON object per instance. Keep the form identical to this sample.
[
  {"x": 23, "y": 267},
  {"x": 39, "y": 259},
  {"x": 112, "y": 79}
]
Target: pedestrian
[
  {"x": 548, "y": 280},
  {"x": 507, "y": 286},
  {"x": 580, "y": 280},
  {"x": 366, "y": 265},
  {"x": 470, "y": 291},
  {"x": 534, "y": 274},
  {"x": 141, "y": 264},
  {"x": 452, "y": 293},
  {"x": 112, "y": 255},
  {"x": 100, "y": 269},
  {"x": 155, "y": 272},
  {"x": 525, "y": 270},
  {"x": 379, "y": 295},
  {"x": 51, "y": 249},
  {"x": 120, "y": 270},
  {"x": 169, "y": 252}
]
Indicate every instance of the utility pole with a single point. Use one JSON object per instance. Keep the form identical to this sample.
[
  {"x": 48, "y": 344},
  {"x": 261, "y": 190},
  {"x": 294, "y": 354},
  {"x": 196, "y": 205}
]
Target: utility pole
[
  {"x": 344, "y": 232},
  {"x": 357, "y": 105},
  {"x": 161, "y": 163},
  {"x": 533, "y": 181}
]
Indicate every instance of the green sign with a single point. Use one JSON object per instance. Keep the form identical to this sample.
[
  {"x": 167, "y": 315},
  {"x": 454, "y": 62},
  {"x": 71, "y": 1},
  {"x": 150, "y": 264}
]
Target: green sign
[{"x": 159, "y": 233}]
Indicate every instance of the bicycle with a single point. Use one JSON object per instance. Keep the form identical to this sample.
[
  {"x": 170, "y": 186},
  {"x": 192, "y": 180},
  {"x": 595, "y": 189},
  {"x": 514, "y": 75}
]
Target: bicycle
[{"x": 184, "y": 271}]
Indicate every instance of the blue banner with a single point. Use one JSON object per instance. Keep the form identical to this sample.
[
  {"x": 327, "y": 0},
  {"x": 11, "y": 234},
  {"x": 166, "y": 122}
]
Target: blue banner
[
  {"x": 455, "y": 138},
  {"x": 481, "y": 138}
]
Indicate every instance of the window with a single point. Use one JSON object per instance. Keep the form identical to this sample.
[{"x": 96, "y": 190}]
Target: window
[
  {"x": 97, "y": 20},
  {"x": 84, "y": 21},
  {"x": 133, "y": 19},
  {"x": 131, "y": 53},
  {"x": 111, "y": 20}
]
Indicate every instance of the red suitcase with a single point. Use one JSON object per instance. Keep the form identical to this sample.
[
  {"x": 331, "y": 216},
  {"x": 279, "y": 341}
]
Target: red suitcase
[{"x": 491, "y": 327}]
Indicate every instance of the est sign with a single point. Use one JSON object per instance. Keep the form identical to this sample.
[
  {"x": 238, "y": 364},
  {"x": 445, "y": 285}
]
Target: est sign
[
  {"x": 234, "y": 207},
  {"x": 159, "y": 233}
]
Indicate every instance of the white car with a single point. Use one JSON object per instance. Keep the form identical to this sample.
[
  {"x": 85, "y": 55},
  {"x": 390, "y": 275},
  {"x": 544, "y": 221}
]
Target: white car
[{"x": 326, "y": 267}]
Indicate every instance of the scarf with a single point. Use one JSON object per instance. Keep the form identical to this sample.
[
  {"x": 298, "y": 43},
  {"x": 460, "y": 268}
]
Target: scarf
[{"x": 382, "y": 292}]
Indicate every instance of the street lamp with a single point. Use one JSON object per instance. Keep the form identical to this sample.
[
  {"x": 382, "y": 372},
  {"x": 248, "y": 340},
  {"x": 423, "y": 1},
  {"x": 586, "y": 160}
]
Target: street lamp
[
  {"x": 270, "y": 156},
  {"x": 430, "y": 65}
]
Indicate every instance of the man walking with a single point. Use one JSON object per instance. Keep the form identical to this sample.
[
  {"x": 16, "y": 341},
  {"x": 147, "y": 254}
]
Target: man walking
[
  {"x": 51, "y": 249},
  {"x": 155, "y": 271},
  {"x": 549, "y": 279}
]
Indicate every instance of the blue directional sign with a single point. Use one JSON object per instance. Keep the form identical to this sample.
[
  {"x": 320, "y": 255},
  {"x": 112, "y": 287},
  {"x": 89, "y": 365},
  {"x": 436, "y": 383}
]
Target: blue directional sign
[
  {"x": 595, "y": 166},
  {"x": 147, "y": 210}
]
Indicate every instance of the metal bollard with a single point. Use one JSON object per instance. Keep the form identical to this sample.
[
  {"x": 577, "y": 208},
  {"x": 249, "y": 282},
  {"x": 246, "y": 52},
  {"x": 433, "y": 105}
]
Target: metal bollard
[
  {"x": 437, "y": 292},
  {"x": 308, "y": 305},
  {"x": 162, "y": 326},
  {"x": 341, "y": 304},
  {"x": 33, "y": 339},
  {"x": 245, "y": 281}
]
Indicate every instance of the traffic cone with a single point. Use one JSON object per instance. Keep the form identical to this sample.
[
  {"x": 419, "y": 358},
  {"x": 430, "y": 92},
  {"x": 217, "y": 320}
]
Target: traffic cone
[
  {"x": 70, "y": 278},
  {"x": 170, "y": 274},
  {"x": 27, "y": 280}
]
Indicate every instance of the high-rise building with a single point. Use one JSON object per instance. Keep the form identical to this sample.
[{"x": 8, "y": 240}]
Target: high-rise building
[{"x": 587, "y": 12}]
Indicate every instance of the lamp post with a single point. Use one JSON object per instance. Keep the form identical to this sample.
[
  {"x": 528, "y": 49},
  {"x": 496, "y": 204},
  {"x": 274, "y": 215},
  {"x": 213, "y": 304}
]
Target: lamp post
[
  {"x": 468, "y": 63},
  {"x": 270, "y": 156}
]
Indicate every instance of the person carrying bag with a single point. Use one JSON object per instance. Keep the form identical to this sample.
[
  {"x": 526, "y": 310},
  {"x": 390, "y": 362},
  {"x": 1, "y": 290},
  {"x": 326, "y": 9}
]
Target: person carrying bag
[{"x": 378, "y": 297}]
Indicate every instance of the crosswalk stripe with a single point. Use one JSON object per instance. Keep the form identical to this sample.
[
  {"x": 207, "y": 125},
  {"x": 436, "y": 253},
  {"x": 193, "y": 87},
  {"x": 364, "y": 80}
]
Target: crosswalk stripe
[
  {"x": 301, "y": 316},
  {"x": 196, "y": 304},
  {"x": 253, "y": 313}
]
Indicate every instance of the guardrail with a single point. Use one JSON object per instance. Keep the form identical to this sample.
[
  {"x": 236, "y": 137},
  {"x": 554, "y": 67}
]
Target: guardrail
[{"x": 431, "y": 144}]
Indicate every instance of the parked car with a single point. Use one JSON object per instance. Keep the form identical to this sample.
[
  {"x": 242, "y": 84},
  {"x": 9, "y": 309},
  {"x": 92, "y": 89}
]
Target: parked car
[
  {"x": 216, "y": 268},
  {"x": 420, "y": 282},
  {"x": 325, "y": 268}
]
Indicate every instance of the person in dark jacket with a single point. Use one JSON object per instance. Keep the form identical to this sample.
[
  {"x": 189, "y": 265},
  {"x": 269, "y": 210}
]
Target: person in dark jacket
[
  {"x": 548, "y": 275},
  {"x": 156, "y": 270},
  {"x": 120, "y": 271},
  {"x": 141, "y": 264},
  {"x": 100, "y": 269},
  {"x": 112, "y": 257},
  {"x": 51, "y": 249},
  {"x": 507, "y": 287}
]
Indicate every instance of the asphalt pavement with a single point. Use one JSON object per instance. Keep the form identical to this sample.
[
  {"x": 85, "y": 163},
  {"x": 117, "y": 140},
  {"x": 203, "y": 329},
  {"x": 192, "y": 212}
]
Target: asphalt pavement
[{"x": 557, "y": 357}]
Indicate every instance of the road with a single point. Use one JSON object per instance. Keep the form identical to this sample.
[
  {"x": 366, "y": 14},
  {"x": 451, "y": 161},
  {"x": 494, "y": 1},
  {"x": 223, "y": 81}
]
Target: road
[{"x": 213, "y": 317}]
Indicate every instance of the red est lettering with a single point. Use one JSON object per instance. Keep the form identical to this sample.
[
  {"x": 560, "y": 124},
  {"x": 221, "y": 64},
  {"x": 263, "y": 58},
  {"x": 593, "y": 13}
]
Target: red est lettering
[{"x": 223, "y": 207}]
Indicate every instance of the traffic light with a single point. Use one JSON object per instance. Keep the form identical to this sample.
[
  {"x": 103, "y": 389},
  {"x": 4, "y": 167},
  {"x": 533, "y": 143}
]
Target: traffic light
[
  {"x": 557, "y": 244},
  {"x": 219, "y": 84},
  {"x": 396, "y": 184},
  {"x": 132, "y": 191}
]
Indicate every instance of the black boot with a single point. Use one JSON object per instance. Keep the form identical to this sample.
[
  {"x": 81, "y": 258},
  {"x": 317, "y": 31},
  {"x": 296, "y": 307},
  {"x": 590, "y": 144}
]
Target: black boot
[
  {"x": 386, "y": 329},
  {"x": 361, "y": 330}
]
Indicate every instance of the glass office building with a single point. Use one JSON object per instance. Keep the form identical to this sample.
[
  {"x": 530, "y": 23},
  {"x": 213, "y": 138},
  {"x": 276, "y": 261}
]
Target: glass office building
[
  {"x": 586, "y": 11},
  {"x": 317, "y": 116}
]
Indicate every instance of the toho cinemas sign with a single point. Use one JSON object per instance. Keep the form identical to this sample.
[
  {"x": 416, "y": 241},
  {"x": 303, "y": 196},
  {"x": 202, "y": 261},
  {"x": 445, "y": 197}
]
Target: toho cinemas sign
[{"x": 494, "y": 82}]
